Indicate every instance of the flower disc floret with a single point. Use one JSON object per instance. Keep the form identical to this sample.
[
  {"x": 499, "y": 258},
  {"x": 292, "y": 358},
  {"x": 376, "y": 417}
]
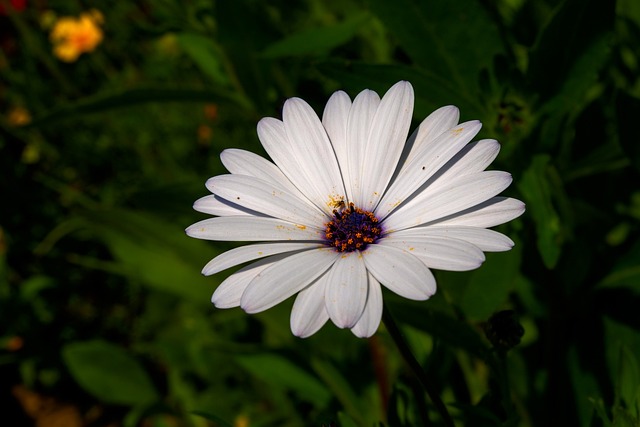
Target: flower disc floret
[{"x": 352, "y": 229}]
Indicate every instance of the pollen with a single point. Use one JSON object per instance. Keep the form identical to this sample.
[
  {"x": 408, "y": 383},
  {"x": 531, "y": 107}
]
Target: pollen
[{"x": 352, "y": 229}]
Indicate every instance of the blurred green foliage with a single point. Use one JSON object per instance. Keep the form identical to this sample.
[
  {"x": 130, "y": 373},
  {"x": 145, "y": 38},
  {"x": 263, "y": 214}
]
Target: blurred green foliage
[{"x": 105, "y": 314}]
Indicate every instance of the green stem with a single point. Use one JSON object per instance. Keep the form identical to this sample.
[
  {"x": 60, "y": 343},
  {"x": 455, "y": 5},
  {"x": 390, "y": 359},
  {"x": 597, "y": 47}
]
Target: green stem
[{"x": 410, "y": 359}]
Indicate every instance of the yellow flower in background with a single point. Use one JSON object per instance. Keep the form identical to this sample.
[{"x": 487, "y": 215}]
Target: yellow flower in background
[{"x": 73, "y": 36}]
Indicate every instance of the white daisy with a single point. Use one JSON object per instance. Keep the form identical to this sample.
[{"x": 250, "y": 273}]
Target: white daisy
[{"x": 349, "y": 204}]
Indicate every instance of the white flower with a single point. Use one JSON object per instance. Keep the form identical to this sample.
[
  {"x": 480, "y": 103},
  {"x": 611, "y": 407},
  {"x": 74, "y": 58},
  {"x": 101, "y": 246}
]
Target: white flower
[{"x": 350, "y": 204}]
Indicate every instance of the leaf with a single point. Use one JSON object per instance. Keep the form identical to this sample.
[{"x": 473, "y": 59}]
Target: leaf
[
  {"x": 214, "y": 418},
  {"x": 340, "y": 387},
  {"x": 113, "y": 100},
  {"x": 491, "y": 284},
  {"x": 626, "y": 271},
  {"x": 317, "y": 40},
  {"x": 536, "y": 190},
  {"x": 431, "y": 90},
  {"x": 430, "y": 33},
  {"x": 574, "y": 26},
  {"x": 206, "y": 54},
  {"x": 109, "y": 373},
  {"x": 154, "y": 252},
  {"x": 627, "y": 111},
  {"x": 280, "y": 372},
  {"x": 438, "y": 324}
]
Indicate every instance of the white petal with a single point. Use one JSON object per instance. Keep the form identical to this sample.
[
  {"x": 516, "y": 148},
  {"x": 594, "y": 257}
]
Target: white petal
[
  {"x": 228, "y": 294},
  {"x": 346, "y": 291},
  {"x": 473, "y": 158},
  {"x": 214, "y": 205},
  {"x": 247, "y": 253},
  {"x": 249, "y": 228},
  {"x": 372, "y": 314},
  {"x": 318, "y": 174},
  {"x": 426, "y": 163},
  {"x": 494, "y": 211},
  {"x": 400, "y": 272},
  {"x": 437, "y": 252},
  {"x": 267, "y": 198},
  {"x": 486, "y": 240},
  {"x": 334, "y": 120},
  {"x": 242, "y": 162},
  {"x": 432, "y": 126},
  {"x": 458, "y": 194},
  {"x": 360, "y": 120},
  {"x": 387, "y": 137},
  {"x": 285, "y": 278},
  {"x": 309, "y": 313}
]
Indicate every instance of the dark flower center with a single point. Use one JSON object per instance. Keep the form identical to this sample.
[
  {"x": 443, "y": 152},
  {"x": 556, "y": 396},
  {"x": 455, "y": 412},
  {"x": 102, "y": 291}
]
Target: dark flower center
[{"x": 352, "y": 229}]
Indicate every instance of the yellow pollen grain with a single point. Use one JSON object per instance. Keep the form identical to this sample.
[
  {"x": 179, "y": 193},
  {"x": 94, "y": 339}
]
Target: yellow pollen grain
[
  {"x": 301, "y": 227},
  {"x": 457, "y": 131}
]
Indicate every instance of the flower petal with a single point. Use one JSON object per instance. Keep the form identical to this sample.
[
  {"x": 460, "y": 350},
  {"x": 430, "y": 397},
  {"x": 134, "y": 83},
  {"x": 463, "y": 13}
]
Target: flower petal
[
  {"x": 249, "y": 228},
  {"x": 358, "y": 127},
  {"x": 400, "y": 272},
  {"x": 385, "y": 142},
  {"x": 285, "y": 278},
  {"x": 372, "y": 314},
  {"x": 309, "y": 312},
  {"x": 230, "y": 291},
  {"x": 267, "y": 198},
  {"x": 318, "y": 174},
  {"x": 438, "y": 252},
  {"x": 486, "y": 240},
  {"x": 242, "y": 162},
  {"x": 247, "y": 253},
  {"x": 494, "y": 211},
  {"x": 426, "y": 163},
  {"x": 334, "y": 120},
  {"x": 458, "y": 194},
  {"x": 214, "y": 205},
  {"x": 473, "y": 158},
  {"x": 346, "y": 291},
  {"x": 436, "y": 123}
]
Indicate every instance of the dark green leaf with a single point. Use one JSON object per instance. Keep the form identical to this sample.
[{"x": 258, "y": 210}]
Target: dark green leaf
[
  {"x": 628, "y": 111},
  {"x": 155, "y": 252},
  {"x": 206, "y": 54},
  {"x": 431, "y": 34},
  {"x": 574, "y": 26},
  {"x": 536, "y": 189},
  {"x": 128, "y": 97},
  {"x": 317, "y": 41},
  {"x": 491, "y": 284},
  {"x": 282, "y": 373},
  {"x": 109, "y": 373}
]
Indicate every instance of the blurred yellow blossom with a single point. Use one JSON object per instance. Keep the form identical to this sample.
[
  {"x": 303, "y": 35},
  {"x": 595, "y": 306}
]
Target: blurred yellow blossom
[
  {"x": 18, "y": 116},
  {"x": 73, "y": 36}
]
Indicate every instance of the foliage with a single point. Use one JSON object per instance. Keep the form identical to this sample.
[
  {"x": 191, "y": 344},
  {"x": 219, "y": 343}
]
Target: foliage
[{"x": 105, "y": 313}]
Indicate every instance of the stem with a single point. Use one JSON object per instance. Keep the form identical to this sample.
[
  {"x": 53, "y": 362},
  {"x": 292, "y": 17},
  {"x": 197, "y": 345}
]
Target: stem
[{"x": 410, "y": 359}]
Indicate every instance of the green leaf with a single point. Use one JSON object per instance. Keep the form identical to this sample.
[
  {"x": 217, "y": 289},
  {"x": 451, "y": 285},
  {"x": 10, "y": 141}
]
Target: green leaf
[
  {"x": 628, "y": 110},
  {"x": 206, "y": 54},
  {"x": 155, "y": 252},
  {"x": 214, "y": 418},
  {"x": 440, "y": 325},
  {"x": 536, "y": 190},
  {"x": 317, "y": 41},
  {"x": 491, "y": 284},
  {"x": 574, "y": 26},
  {"x": 127, "y": 97},
  {"x": 282, "y": 373},
  {"x": 626, "y": 271},
  {"x": 109, "y": 373},
  {"x": 430, "y": 33},
  {"x": 340, "y": 387},
  {"x": 431, "y": 90}
]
